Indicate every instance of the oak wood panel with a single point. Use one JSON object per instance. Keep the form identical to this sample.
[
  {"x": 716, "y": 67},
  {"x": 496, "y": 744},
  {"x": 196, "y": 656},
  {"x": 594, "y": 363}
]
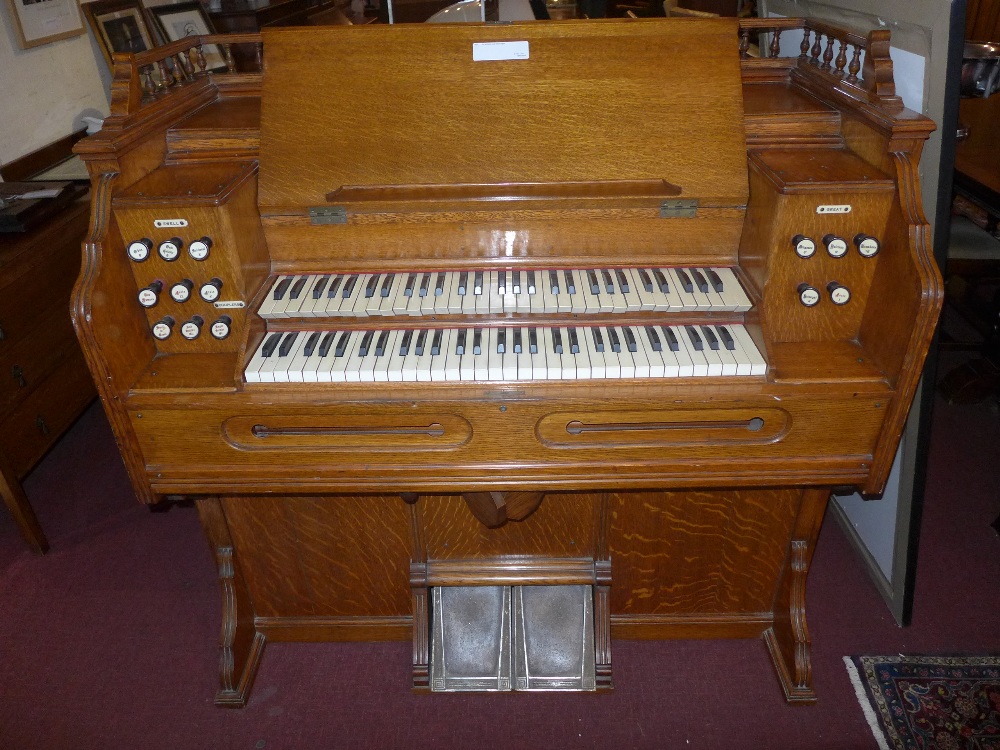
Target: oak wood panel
[
  {"x": 543, "y": 119},
  {"x": 699, "y": 552},
  {"x": 563, "y": 526},
  {"x": 332, "y": 556}
]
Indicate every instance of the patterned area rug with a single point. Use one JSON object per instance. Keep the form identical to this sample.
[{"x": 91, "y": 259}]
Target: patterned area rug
[{"x": 930, "y": 702}]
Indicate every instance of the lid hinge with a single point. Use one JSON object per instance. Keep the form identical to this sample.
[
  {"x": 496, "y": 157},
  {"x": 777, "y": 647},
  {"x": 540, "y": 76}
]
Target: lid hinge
[
  {"x": 679, "y": 209},
  {"x": 328, "y": 214}
]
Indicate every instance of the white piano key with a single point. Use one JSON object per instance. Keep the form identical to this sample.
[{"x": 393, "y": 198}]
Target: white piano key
[
  {"x": 653, "y": 355},
  {"x": 685, "y": 364},
  {"x": 352, "y": 370},
  {"x": 267, "y": 305},
  {"x": 294, "y": 372},
  {"x": 275, "y": 369},
  {"x": 748, "y": 349},
  {"x": 338, "y": 373},
  {"x": 327, "y": 360},
  {"x": 711, "y": 355},
  {"x": 252, "y": 371}
]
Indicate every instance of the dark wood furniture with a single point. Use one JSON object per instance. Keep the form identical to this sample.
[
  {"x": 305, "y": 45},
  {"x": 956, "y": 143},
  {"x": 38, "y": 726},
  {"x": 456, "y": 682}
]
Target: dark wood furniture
[
  {"x": 44, "y": 383},
  {"x": 241, "y": 16},
  {"x": 690, "y": 506}
]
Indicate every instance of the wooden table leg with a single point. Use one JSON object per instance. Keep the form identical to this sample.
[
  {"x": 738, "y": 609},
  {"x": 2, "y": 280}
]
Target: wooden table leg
[{"x": 15, "y": 499}]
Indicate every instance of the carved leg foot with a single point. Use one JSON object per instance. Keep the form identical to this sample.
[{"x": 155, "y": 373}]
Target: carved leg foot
[
  {"x": 240, "y": 645},
  {"x": 788, "y": 638}
]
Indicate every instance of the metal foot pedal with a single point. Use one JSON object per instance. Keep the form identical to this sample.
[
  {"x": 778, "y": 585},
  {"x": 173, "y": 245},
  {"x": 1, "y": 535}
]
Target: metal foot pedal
[{"x": 542, "y": 636}]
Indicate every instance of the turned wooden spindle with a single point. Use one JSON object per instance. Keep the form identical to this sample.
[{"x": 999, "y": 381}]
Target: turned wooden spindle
[
  {"x": 804, "y": 47},
  {"x": 187, "y": 65},
  {"x": 147, "y": 81},
  {"x": 816, "y": 48},
  {"x": 776, "y": 43},
  {"x": 855, "y": 65},
  {"x": 841, "y": 60},
  {"x": 744, "y": 43},
  {"x": 166, "y": 78},
  {"x": 828, "y": 53},
  {"x": 258, "y": 49},
  {"x": 200, "y": 59}
]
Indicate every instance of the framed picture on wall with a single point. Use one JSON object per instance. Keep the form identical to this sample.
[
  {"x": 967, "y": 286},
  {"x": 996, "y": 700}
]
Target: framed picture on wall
[
  {"x": 119, "y": 26},
  {"x": 178, "y": 20},
  {"x": 42, "y": 21}
]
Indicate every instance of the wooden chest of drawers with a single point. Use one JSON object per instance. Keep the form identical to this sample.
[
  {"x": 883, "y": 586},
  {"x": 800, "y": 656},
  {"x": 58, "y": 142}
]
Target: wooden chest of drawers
[{"x": 44, "y": 383}]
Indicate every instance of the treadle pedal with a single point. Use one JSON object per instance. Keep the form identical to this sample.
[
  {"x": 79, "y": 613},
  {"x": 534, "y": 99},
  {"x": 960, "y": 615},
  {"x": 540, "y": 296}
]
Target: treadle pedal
[{"x": 498, "y": 638}]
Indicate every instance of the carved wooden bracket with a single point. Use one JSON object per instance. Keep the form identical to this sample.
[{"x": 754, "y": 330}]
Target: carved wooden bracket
[{"x": 494, "y": 509}]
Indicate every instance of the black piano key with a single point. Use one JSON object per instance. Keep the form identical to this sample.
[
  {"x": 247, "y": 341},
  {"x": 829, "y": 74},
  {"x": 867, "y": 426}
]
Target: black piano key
[
  {"x": 270, "y": 345},
  {"x": 421, "y": 340},
  {"x": 629, "y": 338},
  {"x": 501, "y": 341},
  {"x": 439, "y": 284},
  {"x": 371, "y": 286},
  {"x": 477, "y": 341},
  {"x": 366, "y": 342},
  {"x": 700, "y": 280},
  {"x": 609, "y": 282},
  {"x": 310, "y": 344},
  {"x": 616, "y": 343},
  {"x": 334, "y": 286},
  {"x": 595, "y": 287},
  {"x": 532, "y": 341},
  {"x": 696, "y": 341},
  {"x": 647, "y": 282},
  {"x": 341, "y": 347},
  {"x": 557, "y": 346},
  {"x": 352, "y": 281},
  {"x": 279, "y": 291},
  {"x": 716, "y": 280},
  {"x": 595, "y": 332},
  {"x": 380, "y": 343},
  {"x": 517, "y": 340},
  {"x": 531, "y": 282},
  {"x": 686, "y": 283},
  {"x": 622, "y": 281},
  {"x": 711, "y": 338},
  {"x": 463, "y": 282},
  {"x": 574, "y": 342},
  {"x": 408, "y": 288},
  {"x": 553, "y": 282},
  {"x": 404, "y": 345},
  {"x": 425, "y": 284},
  {"x": 570, "y": 284},
  {"x": 478, "y": 283},
  {"x": 387, "y": 284},
  {"x": 654, "y": 339},
  {"x": 320, "y": 286},
  {"x": 460, "y": 343},
  {"x": 436, "y": 342},
  {"x": 661, "y": 281},
  {"x": 286, "y": 344},
  {"x": 672, "y": 343},
  {"x": 515, "y": 281},
  {"x": 326, "y": 343},
  {"x": 502, "y": 282},
  {"x": 727, "y": 338}
]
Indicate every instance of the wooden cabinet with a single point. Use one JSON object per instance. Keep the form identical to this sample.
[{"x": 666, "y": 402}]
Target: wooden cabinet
[{"x": 44, "y": 382}]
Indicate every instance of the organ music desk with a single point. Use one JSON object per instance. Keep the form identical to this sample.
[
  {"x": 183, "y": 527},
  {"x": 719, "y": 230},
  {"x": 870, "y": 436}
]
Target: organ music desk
[{"x": 492, "y": 353}]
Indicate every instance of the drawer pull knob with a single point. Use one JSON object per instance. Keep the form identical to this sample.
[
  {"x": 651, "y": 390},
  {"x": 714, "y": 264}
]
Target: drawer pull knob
[
  {"x": 18, "y": 374},
  {"x": 42, "y": 427}
]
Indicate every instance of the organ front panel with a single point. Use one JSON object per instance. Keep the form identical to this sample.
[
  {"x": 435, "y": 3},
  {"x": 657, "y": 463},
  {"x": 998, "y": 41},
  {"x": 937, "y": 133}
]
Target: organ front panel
[{"x": 597, "y": 338}]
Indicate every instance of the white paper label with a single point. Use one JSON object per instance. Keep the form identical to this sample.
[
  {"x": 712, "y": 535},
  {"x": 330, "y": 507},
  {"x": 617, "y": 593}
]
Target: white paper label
[
  {"x": 499, "y": 51},
  {"x": 167, "y": 223},
  {"x": 841, "y": 209}
]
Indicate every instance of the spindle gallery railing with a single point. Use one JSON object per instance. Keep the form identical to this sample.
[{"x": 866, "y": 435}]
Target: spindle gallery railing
[
  {"x": 145, "y": 77},
  {"x": 869, "y": 55}
]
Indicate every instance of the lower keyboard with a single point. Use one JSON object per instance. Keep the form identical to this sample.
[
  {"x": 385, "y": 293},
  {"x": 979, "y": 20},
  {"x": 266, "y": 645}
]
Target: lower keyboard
[{"x": 507, "y": 354}]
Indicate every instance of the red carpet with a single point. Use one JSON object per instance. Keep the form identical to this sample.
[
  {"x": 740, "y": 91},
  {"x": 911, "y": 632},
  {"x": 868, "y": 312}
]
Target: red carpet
[{"x": 109, "y": 641}]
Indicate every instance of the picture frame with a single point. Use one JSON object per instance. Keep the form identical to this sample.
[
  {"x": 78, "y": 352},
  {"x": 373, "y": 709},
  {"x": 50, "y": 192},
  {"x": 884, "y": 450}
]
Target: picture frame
[
  {"x": 119, "y": 26},
  {"x": 38, "y": 22},
  {"x": 177, "y": 20}
]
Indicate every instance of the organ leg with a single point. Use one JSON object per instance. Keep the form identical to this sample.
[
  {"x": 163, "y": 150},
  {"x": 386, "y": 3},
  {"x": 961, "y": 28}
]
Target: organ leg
[
  {"x": 788, "y": 637},
  {"x": 240, "y": 645}
]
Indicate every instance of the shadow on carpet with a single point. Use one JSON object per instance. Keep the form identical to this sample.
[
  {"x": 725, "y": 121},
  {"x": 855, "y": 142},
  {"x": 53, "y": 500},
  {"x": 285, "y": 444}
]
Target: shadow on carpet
[{"x": 929, "y": 702}]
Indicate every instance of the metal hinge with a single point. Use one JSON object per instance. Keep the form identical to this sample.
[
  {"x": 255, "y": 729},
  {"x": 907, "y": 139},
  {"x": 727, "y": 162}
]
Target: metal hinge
[
  {"x": 679, "y": 209},
  {"x": 328, "y": 214}
]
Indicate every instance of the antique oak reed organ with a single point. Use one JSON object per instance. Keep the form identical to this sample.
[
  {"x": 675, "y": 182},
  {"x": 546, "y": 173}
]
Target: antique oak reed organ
[{"x": 605, "y": 315}]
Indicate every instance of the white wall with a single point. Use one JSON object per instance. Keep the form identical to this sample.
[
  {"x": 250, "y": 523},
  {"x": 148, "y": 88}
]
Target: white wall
[{"x": 45, "y": 90}]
